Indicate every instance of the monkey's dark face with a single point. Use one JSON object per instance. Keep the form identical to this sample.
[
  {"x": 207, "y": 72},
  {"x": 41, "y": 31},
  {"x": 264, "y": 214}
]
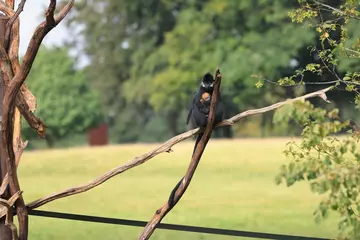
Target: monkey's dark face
[{"x": 207, "y": 81}]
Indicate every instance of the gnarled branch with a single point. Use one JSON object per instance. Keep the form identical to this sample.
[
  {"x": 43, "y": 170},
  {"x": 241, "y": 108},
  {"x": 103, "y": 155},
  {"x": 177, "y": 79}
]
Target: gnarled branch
[
  {"x": 22, "y": 97},
  {"x": 10, "y": 96},
  {"x": 38, "y": 36},
  {"x": 166, "y": 147},
  {"x": 26, "y": 101},
  {"x": 12, "y": 36},
  {"x": 18, "y": 147},
  {"x": 6, "y": 210}
]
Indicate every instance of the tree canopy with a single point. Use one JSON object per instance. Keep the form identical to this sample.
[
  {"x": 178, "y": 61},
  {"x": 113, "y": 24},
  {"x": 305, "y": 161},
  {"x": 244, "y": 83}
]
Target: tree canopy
[
  {"x": 65, "y": 99},
  {"x": 147, "y": 57},
  {"x": 329, "y": 164}
]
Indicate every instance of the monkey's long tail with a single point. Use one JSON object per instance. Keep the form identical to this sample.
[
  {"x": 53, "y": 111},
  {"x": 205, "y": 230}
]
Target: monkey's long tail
[
  {"x": 201, "y": 133},
  {"x": 171, "y": 200}
]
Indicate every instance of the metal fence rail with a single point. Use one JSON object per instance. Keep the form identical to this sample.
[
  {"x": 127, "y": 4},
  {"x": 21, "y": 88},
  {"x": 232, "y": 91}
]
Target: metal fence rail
[{"x": 186, "y": 228}]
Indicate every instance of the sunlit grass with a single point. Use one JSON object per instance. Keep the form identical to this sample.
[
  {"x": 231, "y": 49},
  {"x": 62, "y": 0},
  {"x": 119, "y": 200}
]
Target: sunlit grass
[{"x": 233, "y": 188}]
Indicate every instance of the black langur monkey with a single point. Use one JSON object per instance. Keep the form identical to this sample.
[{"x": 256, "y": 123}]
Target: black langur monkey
[{"x": 199, "y": 111}]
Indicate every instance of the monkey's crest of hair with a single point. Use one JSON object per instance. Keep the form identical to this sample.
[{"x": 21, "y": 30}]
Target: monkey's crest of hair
[{"x": 208, "y": 78}]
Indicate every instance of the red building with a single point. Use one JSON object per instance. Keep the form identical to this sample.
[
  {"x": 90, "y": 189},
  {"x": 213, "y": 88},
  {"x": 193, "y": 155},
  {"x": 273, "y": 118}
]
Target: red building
[{"x": 98, "y": 136}]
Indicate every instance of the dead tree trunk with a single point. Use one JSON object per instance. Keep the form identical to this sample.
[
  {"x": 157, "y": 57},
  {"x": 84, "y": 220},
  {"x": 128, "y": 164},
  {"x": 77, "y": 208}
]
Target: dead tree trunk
[
  {"x": 17, "y": 100},
  {"x": 5, "y": 232}
]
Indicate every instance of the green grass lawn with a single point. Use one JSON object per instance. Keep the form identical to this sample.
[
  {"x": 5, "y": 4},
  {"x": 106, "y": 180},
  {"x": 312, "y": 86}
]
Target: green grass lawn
[{"x": 233, "y": 188}]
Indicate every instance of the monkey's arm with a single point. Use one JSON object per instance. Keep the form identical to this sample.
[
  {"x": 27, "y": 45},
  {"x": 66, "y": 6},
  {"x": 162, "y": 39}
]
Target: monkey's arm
[{"x": 191, "y": 109}]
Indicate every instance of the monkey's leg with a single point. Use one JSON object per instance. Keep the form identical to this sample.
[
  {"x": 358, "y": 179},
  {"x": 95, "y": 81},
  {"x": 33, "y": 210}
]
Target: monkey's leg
[
  {"x": 219, "y": 113},
  {"x": 199, "y": 117}
]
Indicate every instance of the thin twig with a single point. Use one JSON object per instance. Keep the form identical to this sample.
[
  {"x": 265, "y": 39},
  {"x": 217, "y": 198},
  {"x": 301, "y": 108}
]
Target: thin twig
[
  {"x": 328, "y": 68},
  {"x": 335, "y": 9},
  {"x": 8, "y": 203},
  {"x": 351, "y": 50},
  {"x": 12, "y": 42},
  {"x": 50, "y": 20},
  {"x": 165, "y": 147},
  {"x": 302, "y": 83},
  {"x": 14, "y": 18},
  {"x": 34, "y": 44}
]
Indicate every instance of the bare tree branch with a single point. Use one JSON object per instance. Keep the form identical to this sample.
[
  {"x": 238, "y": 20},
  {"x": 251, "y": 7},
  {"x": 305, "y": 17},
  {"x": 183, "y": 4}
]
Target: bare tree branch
[
  {"x": 335, "y": 9},
  {"x": 18, "y": 144},
  {"x": 10, "y": 13},
  {"x": 7, "y": 148},
  {"x": 50, "y": 13},
  {"x": 26, "y": 101},
  {"x": 14, "y": 38},
  {"x": 352, "y": 51},
  {"x": 181, "y": 187},
  {"x": 4, "y": 184},
  {"x": 10, "y": 95},
  {"x": 8, "y": 203},
  {"x": 6, "y": 209},
  {"x": 34, "y": 122},
  {"x": 166, "y": 147},
  {"x": 13, "y": 18},
  {"x": 304, "y": 83},
  {"x": 22, "y": 98},
  {"x": 18, "y": 152},
  {"x": 38, "y": 36}
]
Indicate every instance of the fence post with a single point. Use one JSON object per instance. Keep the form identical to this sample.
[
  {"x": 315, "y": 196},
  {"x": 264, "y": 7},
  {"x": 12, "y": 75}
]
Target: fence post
[{"x": 5, "y": 232}]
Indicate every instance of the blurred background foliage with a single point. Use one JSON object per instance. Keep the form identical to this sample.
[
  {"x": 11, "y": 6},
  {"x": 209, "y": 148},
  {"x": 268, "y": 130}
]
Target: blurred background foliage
[{"x": 146, "y": 59}]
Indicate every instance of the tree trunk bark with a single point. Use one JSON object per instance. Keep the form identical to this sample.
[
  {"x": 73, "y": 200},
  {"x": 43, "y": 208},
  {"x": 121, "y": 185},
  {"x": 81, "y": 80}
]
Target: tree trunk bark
[
  {"x": 228, "y": 133},
  {"x": 49, "y": 141},
  {"x": 5, "y": 232},
  {"x": 263, "y": 125},
  {"x": 172, "y": 123}
]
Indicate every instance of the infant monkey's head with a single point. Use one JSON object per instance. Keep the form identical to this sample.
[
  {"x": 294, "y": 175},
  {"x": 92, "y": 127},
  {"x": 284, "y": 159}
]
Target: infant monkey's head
[{"x": 205, "y": 97}]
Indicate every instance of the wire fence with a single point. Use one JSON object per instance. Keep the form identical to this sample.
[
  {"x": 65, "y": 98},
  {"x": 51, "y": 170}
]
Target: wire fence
[{"x": 175, "y": 227}]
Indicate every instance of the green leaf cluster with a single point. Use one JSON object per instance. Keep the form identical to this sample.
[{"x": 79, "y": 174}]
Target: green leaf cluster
[
  {"x": 330, "y": 165},
  {"x": 66, "y": 101}
]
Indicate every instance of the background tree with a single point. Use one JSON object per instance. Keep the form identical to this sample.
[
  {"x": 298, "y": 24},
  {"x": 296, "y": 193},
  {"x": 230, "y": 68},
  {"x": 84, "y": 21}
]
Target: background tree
[
  {"x": 330, "y": 164},
  {"x": 116, "y": 34},
  {"x": 65, "y": 99},
  {"x": 152, "y": 54}
]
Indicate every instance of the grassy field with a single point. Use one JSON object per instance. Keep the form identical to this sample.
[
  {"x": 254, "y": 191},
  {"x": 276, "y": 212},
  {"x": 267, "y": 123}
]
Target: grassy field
[{"x": 233, "y": 188}]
